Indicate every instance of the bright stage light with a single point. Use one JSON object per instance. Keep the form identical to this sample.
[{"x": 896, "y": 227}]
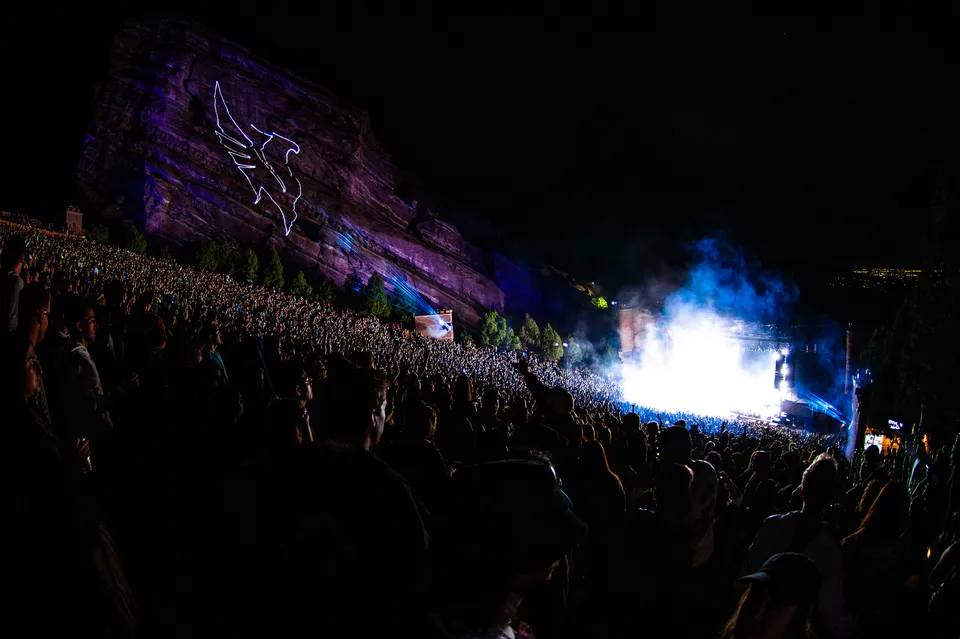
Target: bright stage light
[{"x": 700, "y": 370}]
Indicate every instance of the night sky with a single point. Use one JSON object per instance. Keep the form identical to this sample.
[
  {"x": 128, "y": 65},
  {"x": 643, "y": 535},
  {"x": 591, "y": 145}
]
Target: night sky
[{"x": 602, "y": 143}]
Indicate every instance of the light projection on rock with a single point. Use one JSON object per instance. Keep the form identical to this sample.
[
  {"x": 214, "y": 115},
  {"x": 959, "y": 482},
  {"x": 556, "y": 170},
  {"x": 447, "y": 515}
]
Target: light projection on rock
[{"x": 251, "y": 159}]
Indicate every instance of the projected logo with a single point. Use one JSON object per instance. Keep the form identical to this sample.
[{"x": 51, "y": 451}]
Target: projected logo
[{"x": 265, "y": 164}]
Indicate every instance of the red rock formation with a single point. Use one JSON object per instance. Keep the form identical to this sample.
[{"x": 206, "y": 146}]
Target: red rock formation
[{"x": 152, "y": 150}]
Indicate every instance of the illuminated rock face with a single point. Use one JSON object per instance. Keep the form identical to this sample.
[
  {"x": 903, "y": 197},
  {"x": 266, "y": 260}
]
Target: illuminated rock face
[{"x": 197, "y": 138}]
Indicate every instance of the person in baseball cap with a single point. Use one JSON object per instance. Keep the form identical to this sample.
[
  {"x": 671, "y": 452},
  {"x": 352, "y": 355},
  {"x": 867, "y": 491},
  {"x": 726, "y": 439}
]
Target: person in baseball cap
[{"x": 778, "y": 600}]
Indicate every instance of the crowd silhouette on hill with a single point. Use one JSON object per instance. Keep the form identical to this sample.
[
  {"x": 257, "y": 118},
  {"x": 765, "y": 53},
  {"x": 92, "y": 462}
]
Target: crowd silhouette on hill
[{"x": 190, "y": 455}]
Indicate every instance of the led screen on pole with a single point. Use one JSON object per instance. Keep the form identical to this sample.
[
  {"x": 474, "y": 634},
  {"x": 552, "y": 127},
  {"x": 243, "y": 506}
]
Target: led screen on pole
[{"x": 438, "y": 326}]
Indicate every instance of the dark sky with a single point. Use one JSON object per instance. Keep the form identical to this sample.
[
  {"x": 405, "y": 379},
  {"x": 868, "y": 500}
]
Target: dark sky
[{"x": 603, "y": 141}]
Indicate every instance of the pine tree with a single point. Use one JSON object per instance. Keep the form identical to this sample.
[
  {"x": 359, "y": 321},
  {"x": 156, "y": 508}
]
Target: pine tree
[
  {"x": 529, "y": 333},
  {"x": 273, "y": 271},
  {"x": 375, "y": 297},
  {"x": 511, "y": 341},
  {"x": 300, "y": 287},
  {"x": 550, "y": 344},
  {"x": 136, "y": 242},
  {"x": 326, "y": 294},
  {"x": 492, "y": 329},
  {"x": 251, "y": 265},
  {"x": 208, "y": 257},
  {"x": 574, "y": 354},
  {"x": 226, "y": 259},
  {"x": 99, "y": 233},
  {"x": 400, "y": 315}
]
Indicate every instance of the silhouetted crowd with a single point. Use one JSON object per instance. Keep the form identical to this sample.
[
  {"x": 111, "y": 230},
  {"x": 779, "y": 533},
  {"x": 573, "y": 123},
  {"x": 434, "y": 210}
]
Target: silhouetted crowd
[
  {"x": 22, "y": 219},
  {"x": 188, "y": 455}
]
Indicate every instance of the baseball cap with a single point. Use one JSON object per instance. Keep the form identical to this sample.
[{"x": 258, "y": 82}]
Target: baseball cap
[{"x": 791, "y": 578}]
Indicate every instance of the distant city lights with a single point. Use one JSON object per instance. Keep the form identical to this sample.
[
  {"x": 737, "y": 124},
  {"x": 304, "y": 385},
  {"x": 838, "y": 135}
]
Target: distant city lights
[{"x": 883, "y": 278}]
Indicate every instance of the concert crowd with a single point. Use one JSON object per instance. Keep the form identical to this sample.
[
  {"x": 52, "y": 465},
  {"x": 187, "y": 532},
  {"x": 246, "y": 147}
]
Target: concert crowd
[{"x": 190, "y": 455}]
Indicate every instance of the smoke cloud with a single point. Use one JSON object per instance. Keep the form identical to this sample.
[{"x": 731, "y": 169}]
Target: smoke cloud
[
  {"x": 691, "y": 359},
  {"x": 723, "y": 281}
]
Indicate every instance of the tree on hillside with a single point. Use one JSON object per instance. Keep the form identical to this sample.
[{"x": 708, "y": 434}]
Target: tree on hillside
[
  {"x": 273, "y": 271},
  {"x": 326, "y": 293},
  {"x": 208, "y": 257},
  {"x": 216, "y": 258},
  {"x": 250, "y": 266},
  {"x": 511, "y": 341},
  {"x": 574, "y": 354},
  {"x": 401, "y": 311},
  {"x": 226, "y": 259},
  {"x": 375, "y": 297},
  {"x": 300, "y": 287},
  {"x": 99, "y": 233},
  {"x": 164, "y": 252},
  {"x": 599, "y": 302},
  {"x": 400, "y": 315},
  {"x": 550, "y": 343},
  {"x": 529, "y": 333},
  {"x": 135, "y": 241},
  {"x": 493, "y": 329}
]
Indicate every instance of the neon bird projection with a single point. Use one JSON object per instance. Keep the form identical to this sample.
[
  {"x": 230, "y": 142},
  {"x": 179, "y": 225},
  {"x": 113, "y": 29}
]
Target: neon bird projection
[{"x": 251, "y": 159}]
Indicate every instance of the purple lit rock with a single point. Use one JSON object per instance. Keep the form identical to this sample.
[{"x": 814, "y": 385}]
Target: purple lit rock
[{"x": 153, "y": 151}]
